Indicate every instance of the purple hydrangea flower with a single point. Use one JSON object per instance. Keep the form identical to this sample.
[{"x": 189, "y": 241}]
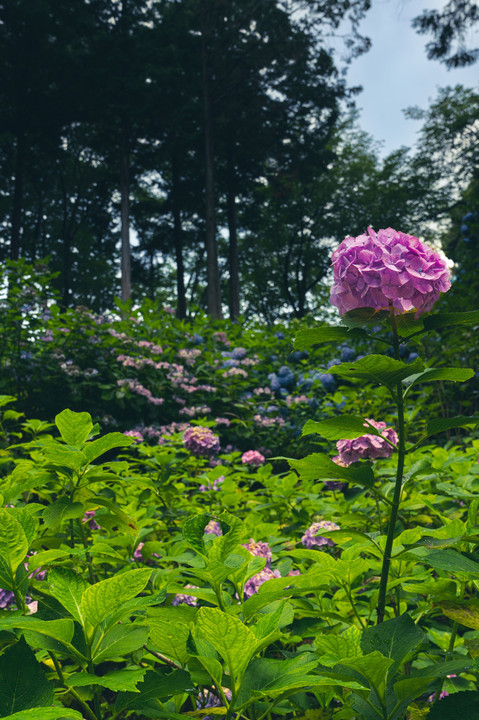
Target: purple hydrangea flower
[
  {"x": 238, "y": 353},
  {"x": 368, "y": 446},
  {"x": 138, "y": 555},
  {"x": 311, "y": 539},
  {"x": 7, "y": 599},
  {"x": 183, "y": 599},
  {"x": 212, "y": 486},
  {"x": 376, "y": 269},
  {"x": 201, "y": 441},
  {"x": 89, "y": 517},
  {"x": 253, "y": 458},
  {"x": 213, "y": 528},
  {"x": 259, "y": 549},
  {"x": 252, "y": 585}
]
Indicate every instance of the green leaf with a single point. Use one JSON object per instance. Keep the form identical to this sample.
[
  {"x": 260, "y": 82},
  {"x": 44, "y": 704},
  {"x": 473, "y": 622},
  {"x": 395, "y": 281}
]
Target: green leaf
[
  {"x": 460, "y": 704},
  {"x": 170, "y": 638},
  {"x": 67, "y": 587},
  {"x": 364, "y": 316},
  {"x": 437, "y": 425},
  {"x": 194, "y": 532},
  {"x": 155, "y": 687},
  {"x": 442, "y": 320},
  {"x": 120, "y": 641},
  {"x": 61, "y": 510},
  {"x": 397, "y": 639},
  {"x": 407, "y": 689},
  {"x": 320, "y": 467},
  {"x": 452, "y": 561},
  {"x": 75, "y": 428},
  {"x": 6, "y": 399},
  {"x": 61, "y": 630},
  {"x": 46, "y": 713},
  {"x": 229, "y": 637},
  {"x": 23, "y": 683},
  {"x": 13, "y": 545},
  {"x": 464, "y": 613},
  {"x": 96, "y": 448},
  {"x": 378, "y": 369},
  {"x": 333, "y": 648},
  {"x": 46, "y": 557},
  {"x": 340, "y": 427},
  {"x": 126, "y": 679},
  {"x": 60, "y": 456},
  {"x": 233, "y": 532},
  {"x": 372, "y": 669},
  {"x": 307, "y": 337},
  {"x": 103, "y": 598},
  {"x": 431, "y": 374}
]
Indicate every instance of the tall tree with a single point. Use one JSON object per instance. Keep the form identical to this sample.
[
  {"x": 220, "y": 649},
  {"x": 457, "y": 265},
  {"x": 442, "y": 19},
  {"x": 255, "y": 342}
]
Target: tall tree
[{"x": 451, "y": 27}]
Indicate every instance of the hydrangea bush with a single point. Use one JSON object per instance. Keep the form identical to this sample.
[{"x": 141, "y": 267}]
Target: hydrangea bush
[{"x": 167, "y": 571}]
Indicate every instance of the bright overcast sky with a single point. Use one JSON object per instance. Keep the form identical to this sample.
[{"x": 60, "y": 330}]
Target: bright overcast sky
[{"x": 396, "y": 74}]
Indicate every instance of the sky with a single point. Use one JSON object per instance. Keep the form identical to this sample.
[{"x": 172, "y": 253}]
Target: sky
[{"x": 396, "y": 74}]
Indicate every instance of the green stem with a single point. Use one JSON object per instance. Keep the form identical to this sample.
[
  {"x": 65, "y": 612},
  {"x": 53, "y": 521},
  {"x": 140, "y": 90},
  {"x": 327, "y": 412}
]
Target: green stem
[
  {"x": 86, "y": 709},
  {"x": 397, "y": 488},
  {"x": 91, "y": 572}
]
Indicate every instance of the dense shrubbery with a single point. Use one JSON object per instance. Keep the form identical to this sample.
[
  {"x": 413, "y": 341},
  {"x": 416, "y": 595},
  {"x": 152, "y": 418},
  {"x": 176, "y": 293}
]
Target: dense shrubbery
[{"x": 158, "y": 558}]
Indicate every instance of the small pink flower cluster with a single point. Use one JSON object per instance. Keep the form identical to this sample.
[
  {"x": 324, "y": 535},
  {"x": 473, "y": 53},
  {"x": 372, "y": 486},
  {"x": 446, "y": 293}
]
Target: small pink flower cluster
[
  {"x": 366, "y": 447},
  {"x": 253, "y": 458},
  {"x": 189, "y": 356},
  {"x": 262, "y": 391},
  {"x": 386, "y": 267},
  {"x": 155, "y": 349},
  {"x": 268, "y": 422},
  {"x": 221, "y": 337},
  {"x": 295, "y": 399},
  {"x": 235, "y": 372},
  {"x": 136, "y": 434},
  {"x": 138, "y": 389},
  {"x": 223, "y": 421},
  {"x": 193, "y": 411},
  {"x": 201, "y": 441},
  {"x": 311, "y": 539}
]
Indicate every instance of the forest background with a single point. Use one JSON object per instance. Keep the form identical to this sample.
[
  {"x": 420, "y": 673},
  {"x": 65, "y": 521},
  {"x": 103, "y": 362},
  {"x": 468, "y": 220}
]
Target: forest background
[{"x": 208, "y": 154}]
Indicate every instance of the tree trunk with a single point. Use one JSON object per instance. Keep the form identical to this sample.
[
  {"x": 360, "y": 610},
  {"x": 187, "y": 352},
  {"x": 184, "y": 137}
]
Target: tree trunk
[
  {"x": 234, "y": 296},
  {"x": 125, "y": 215},
  {"x": 178, "y": 240},
  {"x": 212, "y": 271},
  {"x": 17, "y": 207}
]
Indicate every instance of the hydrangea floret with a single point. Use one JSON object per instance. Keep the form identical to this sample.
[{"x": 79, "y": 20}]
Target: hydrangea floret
[
  {"x": 252, "y": 585},
  {"x": 201, "y": 441},
  {"x": 368, "y": 446},
  {"x": 253, "y": 458},
  {"x": 311, "y": 539},
  {"x": 387, "y": 267},
  {"x": 259, "y": 549}
]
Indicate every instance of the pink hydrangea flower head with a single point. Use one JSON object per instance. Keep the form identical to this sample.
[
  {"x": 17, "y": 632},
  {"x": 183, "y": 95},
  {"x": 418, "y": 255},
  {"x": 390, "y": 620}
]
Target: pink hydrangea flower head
[
  {"x": 311, "y": 539},
  {"x": 368, "y": 446},
  {"x": 376, "y": 269},
  {"x": 253, "y": 458},
  {"x": 201, "y": 441},
  {"x": 252, "y": 585},
  {"x": 259, "y": 549}
]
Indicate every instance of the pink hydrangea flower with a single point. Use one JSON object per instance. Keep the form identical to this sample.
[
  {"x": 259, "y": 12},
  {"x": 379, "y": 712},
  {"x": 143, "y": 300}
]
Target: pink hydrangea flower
[
  {"x": 376, "y": 269},
  {"x": 201, "y": 441},
  {"x": 253, "y": 458},
  {"x": 366, "y": 447},
  {"x": 311, "y": 539}
]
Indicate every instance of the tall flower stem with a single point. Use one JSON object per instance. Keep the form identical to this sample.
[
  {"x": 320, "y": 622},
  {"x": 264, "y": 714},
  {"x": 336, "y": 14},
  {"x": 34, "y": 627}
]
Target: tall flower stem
[{"x": 398, "y": 485}]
